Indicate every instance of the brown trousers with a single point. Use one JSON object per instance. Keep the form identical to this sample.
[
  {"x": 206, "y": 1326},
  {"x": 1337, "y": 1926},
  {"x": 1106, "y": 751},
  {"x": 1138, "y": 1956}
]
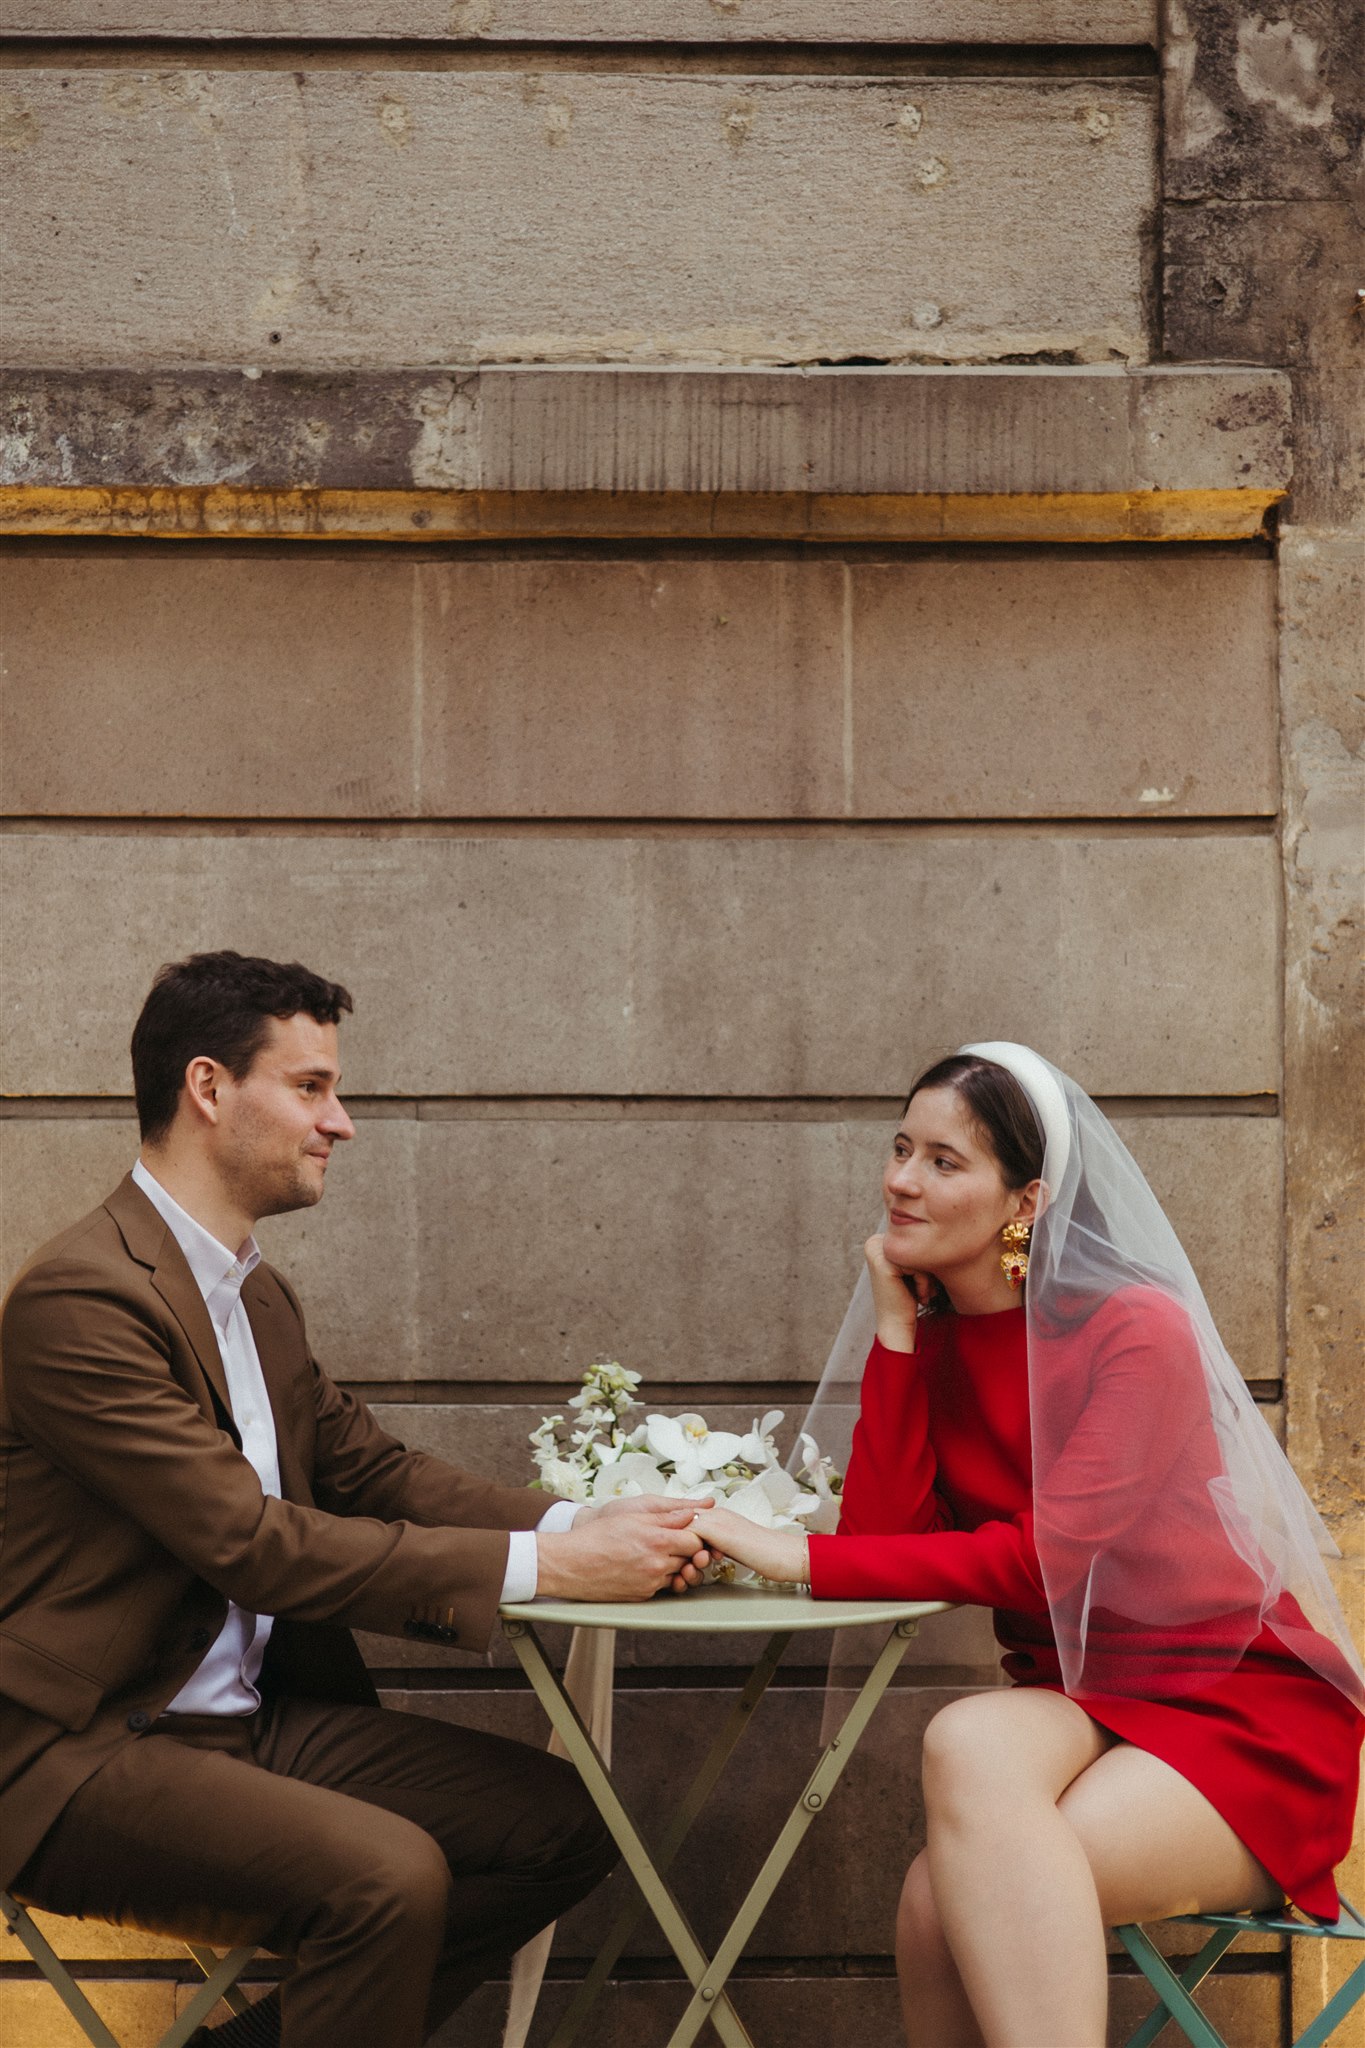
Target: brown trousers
[{"x": 400, "y": 1860}]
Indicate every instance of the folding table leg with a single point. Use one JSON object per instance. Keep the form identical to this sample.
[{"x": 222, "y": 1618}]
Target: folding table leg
[
  {"x": 673, "y": 1837},
  {"x": 1172, "y": 1990},
  {"x": 584, "y": 1753},
  {"x": 819, "y": 1786}
]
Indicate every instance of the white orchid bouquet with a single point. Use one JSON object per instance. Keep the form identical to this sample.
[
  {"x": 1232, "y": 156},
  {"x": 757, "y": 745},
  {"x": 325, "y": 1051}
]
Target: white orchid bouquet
[{"x": 598, "y": 1455}]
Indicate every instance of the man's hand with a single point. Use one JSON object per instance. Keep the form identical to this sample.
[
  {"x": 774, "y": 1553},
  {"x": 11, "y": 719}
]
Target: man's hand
[{"x": 624, "y": 1550}]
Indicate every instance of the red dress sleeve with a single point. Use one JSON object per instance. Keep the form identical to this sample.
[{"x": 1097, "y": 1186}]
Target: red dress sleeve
[{"x": 896, "y": 1535}]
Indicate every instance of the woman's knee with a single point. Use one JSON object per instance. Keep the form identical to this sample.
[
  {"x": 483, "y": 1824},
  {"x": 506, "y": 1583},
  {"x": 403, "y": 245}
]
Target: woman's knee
[{"x": 958, "y": 1746}]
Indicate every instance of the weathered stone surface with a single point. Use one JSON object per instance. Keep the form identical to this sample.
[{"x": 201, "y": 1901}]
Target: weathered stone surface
[
  {"x": 589, "y": 21},
  {"x": 611, "y": 966},
  {"x": 810, "y": 432},
  {"x": 728, "y": 673},
  {"x": 485, "y": 217},
  {"x": 125, "y": 677},
  {"x": 1006, "y": 430},
  {"x": 1238, "y": 277},
  {"x": 1322, "y": 597},
  {"x": 493, "y": 685},
  {"x": 1263, "y": 105},
  {"x": 1003, "y": 688},
  {"x": 693, "y": 1251},
  {"x": 32, "y": 2016},
  {"x": 1323, "y": 609}
]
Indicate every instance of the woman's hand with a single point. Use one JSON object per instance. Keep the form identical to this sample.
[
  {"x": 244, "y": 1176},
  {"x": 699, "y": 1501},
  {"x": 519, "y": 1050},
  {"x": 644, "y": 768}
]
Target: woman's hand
[
  {"x": 896, "y": 1297},
  {"x": 779, "y": 1554}
]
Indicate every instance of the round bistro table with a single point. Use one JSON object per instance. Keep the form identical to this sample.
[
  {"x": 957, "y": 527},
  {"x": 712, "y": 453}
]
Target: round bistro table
[{"x": 778, "y": 1613}]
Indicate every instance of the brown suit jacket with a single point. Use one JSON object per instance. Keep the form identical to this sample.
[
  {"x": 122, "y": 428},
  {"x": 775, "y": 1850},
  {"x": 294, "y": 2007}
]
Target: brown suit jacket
[{"x": 129, "y": 1516}]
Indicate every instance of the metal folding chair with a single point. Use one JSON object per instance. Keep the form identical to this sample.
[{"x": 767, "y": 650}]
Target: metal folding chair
[
  {"x": 220, "y": 1981},
  {"x": 1173, "y": 1988}
]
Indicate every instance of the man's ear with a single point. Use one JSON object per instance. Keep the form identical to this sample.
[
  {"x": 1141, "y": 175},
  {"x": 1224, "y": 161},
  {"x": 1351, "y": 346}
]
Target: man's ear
[{"x": 203, "y": 1078}]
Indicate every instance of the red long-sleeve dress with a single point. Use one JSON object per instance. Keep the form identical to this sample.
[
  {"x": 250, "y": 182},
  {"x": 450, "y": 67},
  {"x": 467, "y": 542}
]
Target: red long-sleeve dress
[{"x": 937, "y": 1505}]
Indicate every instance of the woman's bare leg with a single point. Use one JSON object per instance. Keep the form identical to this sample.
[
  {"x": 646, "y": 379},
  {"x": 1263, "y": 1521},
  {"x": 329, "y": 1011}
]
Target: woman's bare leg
[
  {"x": 934, "y": 2005},
  {"x": 1025, "y": 1872},
  {"x": 1155, "y": 1846},
  {"x": 1010, "y": 1879}
]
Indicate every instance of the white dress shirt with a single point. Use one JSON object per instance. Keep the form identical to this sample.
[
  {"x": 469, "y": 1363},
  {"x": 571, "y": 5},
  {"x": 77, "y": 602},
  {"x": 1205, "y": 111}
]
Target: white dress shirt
[{"x": 225, "y": 1683}]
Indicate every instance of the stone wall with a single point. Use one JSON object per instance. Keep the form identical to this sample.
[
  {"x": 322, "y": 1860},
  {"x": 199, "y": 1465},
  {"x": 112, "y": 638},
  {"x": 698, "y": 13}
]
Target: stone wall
[{"x": 876, "y": 657}]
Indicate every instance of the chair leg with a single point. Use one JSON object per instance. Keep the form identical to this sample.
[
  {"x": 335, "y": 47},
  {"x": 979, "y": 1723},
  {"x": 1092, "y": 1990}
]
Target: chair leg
[
  {"x": 21, "y": 1923},
  {"x": 220, "y": 1979},
  {"x": 1176, "y": 2003},
  {"x": 209, "y": 1960},
  {"x": 1335, "y": 2011}
]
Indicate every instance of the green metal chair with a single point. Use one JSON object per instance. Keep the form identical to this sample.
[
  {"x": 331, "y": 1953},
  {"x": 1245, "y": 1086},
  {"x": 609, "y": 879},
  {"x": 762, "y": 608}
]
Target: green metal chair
[
  {"x": 1173, "y": 1988},
  {"x": 220, "y": 1981}
]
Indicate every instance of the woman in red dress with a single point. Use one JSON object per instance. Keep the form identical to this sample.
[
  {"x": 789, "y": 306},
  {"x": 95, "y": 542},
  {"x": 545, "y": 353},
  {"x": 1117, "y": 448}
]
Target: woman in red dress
[{"x": 1183, "y": 1729}]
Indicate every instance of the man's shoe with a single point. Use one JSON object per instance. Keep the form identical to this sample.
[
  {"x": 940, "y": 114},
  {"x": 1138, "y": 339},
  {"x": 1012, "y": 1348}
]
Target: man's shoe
[{"x": 257, "y": 2027}]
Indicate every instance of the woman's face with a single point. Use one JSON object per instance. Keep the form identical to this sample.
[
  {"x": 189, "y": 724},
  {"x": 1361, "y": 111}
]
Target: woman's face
[{"x": 946, "y": 1199}]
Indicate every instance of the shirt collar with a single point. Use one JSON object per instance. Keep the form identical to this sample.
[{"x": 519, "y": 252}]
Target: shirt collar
[{"x": 218, "y": 1273}]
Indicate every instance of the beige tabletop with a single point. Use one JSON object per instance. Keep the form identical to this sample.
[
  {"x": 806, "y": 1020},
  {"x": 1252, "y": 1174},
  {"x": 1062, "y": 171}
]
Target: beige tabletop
[{"x": 730, "y": 1610}]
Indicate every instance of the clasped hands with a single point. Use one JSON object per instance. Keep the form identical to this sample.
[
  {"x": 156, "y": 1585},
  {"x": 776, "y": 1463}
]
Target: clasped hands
[{"x": 633, "y": 1548}]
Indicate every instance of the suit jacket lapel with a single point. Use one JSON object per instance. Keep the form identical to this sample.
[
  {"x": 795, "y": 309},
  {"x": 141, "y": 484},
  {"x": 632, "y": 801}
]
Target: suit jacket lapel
[
  {"x": 263, "y": 1314},
  {"x": 153, "y": 1244}
]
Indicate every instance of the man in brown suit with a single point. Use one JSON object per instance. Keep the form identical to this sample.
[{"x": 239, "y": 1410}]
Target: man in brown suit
[{"x": 194, "y": 1516}]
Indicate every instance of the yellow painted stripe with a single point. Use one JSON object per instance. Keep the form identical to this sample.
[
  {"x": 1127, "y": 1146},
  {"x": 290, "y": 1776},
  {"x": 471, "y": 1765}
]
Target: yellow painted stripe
[{"x": 182, "y": 512}]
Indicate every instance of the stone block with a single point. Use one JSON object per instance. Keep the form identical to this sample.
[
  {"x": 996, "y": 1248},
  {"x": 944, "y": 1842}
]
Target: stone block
[
  {"x": 1248, "y": 2010},
  {"x": 993, "y": 431},
  {"x": 415, "y": 1265},
  {"x": 32, "y": 2015},
  {"x": 619, "y": 451},
  {"x": 1099, "y": 684},
  {"x": 591, "y": 21},
  {"x": 1323, "y": 609},
  {"x": 502, "y": 217},
  {"x": 574, "y": 965},
  {"x": 203, "y": 685},
  {"x": 1022, "y": 685},
  {"x": 680, "y": 687}
]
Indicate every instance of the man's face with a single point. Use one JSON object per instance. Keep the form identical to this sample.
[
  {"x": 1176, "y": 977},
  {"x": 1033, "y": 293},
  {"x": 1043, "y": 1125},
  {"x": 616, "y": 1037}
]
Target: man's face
[{"x": 277, "y": 1125}]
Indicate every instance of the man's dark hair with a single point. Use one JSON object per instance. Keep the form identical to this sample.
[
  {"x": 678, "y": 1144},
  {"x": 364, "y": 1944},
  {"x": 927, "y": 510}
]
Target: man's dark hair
[{"x": 216, "y": 1006}]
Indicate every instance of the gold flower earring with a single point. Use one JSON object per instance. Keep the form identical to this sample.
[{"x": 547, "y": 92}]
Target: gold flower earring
[{"x": 1014, "y": 1258}]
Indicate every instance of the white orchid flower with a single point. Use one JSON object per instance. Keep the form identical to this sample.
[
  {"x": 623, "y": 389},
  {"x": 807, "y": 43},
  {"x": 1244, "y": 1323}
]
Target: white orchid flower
[
  {"x": 753, "y": 1501},
  {"x": 626, "y": 1476},
  {"x": 758, "y": 1448},
  {"x": 681, "y": 1489},
  {"x": 561, "y": 1477},
  {"x": 685, "y": 1442}
]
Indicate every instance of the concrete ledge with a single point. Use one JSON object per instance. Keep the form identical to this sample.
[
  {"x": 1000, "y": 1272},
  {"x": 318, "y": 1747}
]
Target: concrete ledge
[
  {"x": 1034, "y": 453},
  {"x": 597, "y": 21}
]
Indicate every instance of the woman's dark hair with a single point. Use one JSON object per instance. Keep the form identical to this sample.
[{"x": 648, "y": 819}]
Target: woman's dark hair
[
  {"x": 216, "y": 1006},
  {"x": 997, "y": 1106}
]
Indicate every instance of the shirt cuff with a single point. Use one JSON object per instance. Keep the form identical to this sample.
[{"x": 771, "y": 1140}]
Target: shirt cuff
[
  {"x": 559, "y": 1517},
  {"x": 522, "y": 1575}
]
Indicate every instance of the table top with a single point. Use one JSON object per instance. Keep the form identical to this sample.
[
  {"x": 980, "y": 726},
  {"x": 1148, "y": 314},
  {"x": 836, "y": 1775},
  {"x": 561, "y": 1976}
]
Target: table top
[{"x": 723, "y": 1610}]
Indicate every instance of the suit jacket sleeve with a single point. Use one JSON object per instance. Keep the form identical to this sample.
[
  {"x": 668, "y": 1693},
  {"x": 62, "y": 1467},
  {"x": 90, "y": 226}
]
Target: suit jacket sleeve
[{"x": 91, "y": 1383}]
